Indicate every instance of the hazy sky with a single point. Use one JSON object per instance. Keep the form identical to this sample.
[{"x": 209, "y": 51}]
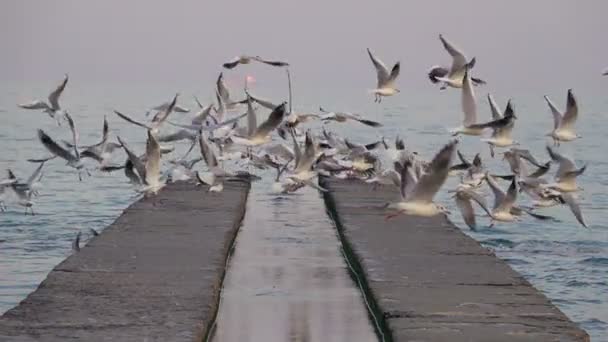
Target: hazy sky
[{"x": 538, "y": 42}]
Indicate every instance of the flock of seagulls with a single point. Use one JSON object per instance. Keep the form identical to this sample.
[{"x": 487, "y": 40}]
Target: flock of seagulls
[{"x": 232, "y": 142}]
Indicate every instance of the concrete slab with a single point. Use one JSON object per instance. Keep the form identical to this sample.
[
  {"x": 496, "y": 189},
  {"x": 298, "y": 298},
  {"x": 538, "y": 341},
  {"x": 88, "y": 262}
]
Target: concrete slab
[
  {"x": 431, "y": 282},
  {"x": 153, "y": 275}
]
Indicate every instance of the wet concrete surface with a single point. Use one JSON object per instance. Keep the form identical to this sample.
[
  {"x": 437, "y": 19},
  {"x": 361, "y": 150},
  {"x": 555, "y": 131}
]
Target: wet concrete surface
[
  {"x": 431, "y": 282},
  {"x": 287, "y": 279},
  {"x": 153, "y": 275}
]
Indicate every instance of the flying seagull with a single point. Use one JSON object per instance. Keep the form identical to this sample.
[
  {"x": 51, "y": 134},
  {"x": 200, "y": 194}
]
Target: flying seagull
[
  {"x": 73, "y": 159},
  {"x": 567, "y": 172},
  {"x": 157, "y": 120},
  {"x": 453, "y": 76},
  {"x": 261, "y": 134},
  {"x": 386, "y": 79},
  {"x": 244, "y": 59},
  {"x": 417, "y": 199},
  {"x": 52, "y": 107},
  {"x": 563, "y": 124},
  {"x": 345, "y": 116}
]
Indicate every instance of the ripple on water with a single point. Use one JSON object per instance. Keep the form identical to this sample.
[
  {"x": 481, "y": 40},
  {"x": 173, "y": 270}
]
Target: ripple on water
[{"x": 595, "y": 261}]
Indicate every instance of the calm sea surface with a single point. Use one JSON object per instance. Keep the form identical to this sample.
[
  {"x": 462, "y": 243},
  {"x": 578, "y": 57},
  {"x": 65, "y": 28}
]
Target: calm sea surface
[{"x": 567, "y": 262}]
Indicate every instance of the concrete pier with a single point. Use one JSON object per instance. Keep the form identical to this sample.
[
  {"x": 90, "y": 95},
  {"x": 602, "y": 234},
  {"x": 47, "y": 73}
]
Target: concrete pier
[
  {"x": 431, "y": 282},
  {"x": 287, "y": 279},
  {"x": 153, "y": 275}
]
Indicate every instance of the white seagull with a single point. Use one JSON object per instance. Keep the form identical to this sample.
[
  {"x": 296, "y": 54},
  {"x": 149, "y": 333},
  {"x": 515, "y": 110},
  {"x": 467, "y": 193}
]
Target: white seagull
[
  {"x": 73, "y": 159},
  {"x": 419, "y": 200},
  {"x": 563, "y": 125},
  {"x": 52, "y": 107},
  {"x": 386, "y": 79},
  {"x": 565, "y": 177},
  {"x": 261, "y": 134},
  {"x": 453, "y": 76}
]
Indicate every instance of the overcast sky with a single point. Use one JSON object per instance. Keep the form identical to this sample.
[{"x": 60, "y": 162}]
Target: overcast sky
[{"x": 538, "y": 42}]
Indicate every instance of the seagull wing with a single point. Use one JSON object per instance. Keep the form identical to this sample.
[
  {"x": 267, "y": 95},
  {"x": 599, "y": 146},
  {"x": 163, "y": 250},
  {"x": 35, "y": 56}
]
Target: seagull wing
[
  {"x": 270, "y": 62},
  {"x": 557, "y": 115},
  {"x": 128, "y": 119},
  {"x": 463, "y": 202},
  {"x": 430, "y": 183},
  {"x": 152, "y": 160},
  {"x": 274, "y": 120},
  {"x": 222, "y": 90},
  {"x": 233, "y": 63},
  {"x": 394, "y": 74},
  {"x": 469, "y": 107},
  {"x": 571, "y": 113},
  {"x": 307, "y": 159},
  {"x": 262, "y": 102},
  {"x": 161, "y": 116},
  {"x": 437, "y": 72},
  {"x": 35, "y": 175},
  {"x": 459, "y": 61},
  {"x": 54, "y": 148},
  {"x": 207, "y": 152},
  {"x": 54, "y": 96},
  {"x": 74, "y": 135},
  {"x": 135, "y": 162},
  {"x": 296, "y": 149},
  {"x": 496, "y": 112},
  {"x": 570, "y": 200},
  {"x": 509, "y": 199},
  {"x": 566, "y": 165},
  {"x": 179, "y": 135},
  {"x": 37, "y": 104},
  {"x": 499, "y": 195},
  {"x": 201, "y": 116},
  {"x": 252, "y": 120},
  {"x": 381, "y": 70}
]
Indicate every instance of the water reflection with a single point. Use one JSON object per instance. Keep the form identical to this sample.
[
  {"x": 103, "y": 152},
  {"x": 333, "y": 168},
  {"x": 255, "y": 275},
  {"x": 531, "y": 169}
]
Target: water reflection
[{"x": 287, "y": 280}]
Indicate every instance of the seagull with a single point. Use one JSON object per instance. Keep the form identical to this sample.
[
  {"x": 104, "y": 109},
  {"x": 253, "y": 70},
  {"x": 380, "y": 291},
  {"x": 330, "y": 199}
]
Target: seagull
[
  {"x": 566, "y": 174},
  {"x": 210, "y": 158},
  {"x": 502, "y": 129},
  {"x": 453, "y": 76},
  {"x": 261, "y": 134},
  {"x": 417, "y": 199},
  {"x": 605, "y": 72},
  {"x": 144, "y": 170},
  {"x": 24, "y": 191},
  {"x": 157, "y": 120},
  {"x": 304, "y": 161},
  {"x": 52, "y": 107},
  {"x": 73, "y": 159},
  {"x": 518, "y": 168},
  {"x": 474, "y": 175},
  {"x": 244, "y": 59},
  {"x": 101, "y": 151},
  {"x": 505, "y": 209},
  {"x": 152, "y": 165},
  {"x": 386, "y": 79},
  {"x": 345, "y": 116},
  {"x": 563, "y": 125},
  {"x": 213, "y": 178}
]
